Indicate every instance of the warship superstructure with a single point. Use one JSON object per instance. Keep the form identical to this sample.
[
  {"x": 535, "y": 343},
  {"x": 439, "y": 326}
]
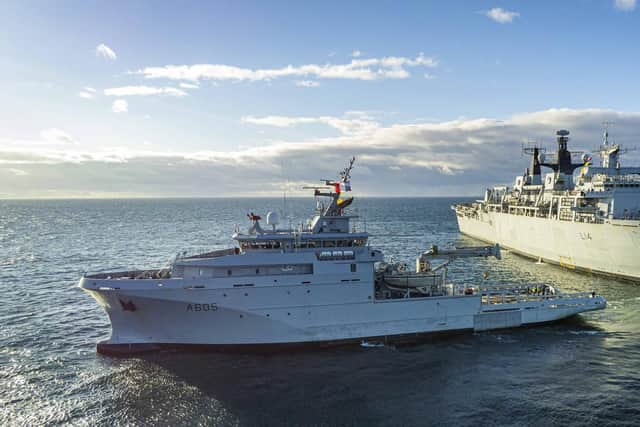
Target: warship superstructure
[
  {"x": 316, "y": 285},
  {"x": 577, "y": 215}
]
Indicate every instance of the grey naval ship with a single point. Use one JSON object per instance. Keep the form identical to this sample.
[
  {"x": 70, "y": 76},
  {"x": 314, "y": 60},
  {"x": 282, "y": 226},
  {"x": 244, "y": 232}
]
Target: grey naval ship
[
  {"x": 318, "y": 284},
  {"x": 577, "y": 215}
]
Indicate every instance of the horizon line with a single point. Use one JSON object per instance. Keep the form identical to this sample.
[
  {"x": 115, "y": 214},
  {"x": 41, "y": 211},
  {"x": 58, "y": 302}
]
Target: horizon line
[{"x": 216, "y": 197}]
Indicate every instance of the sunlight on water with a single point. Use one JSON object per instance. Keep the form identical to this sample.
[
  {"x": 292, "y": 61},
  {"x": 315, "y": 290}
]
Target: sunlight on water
[{"x": 586, "y": 370}]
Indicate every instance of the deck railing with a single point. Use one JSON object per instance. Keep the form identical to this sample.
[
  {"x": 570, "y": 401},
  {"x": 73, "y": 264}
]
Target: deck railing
[{"x": 512, "y": 296}]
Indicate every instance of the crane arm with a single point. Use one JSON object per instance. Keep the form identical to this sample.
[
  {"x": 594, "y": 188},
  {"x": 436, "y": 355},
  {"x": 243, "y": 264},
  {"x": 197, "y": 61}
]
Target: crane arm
[{"x": 448, "y": 255}]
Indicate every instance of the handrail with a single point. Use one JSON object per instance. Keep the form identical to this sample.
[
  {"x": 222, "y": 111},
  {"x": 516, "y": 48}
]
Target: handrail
[
  {"x": 505, "y": 297},
  {"x": 212, "y": 254}
]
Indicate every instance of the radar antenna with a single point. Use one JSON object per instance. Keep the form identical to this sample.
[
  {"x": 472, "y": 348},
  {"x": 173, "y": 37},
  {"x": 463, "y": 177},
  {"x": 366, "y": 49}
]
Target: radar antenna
[
  {"x": 345, "y": 175},
  {"x": 535, "y": 150},
  {"x": 561, "y": 161},
  {"x": 605, "y": 135},
  {"x": 610, "y": 151},
  {"x": 530, "y": 145}
]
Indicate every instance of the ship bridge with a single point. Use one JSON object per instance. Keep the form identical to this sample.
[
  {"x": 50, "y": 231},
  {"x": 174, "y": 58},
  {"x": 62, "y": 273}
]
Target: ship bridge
[{"x": 331, "y": 227}]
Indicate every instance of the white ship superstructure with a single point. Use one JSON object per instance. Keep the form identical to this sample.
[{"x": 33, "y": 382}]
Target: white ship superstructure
[
  {"x": 588, "y": 220},
  {"x": 319, "y": 284}
]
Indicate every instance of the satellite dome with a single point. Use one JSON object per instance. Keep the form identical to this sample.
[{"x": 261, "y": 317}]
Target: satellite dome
[{"x": 273, "y": 218}]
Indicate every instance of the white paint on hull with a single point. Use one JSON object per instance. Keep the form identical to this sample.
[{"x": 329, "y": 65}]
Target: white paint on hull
[
  {"x": 292, "y": 315},
  {"x": 610, "y": 248}
]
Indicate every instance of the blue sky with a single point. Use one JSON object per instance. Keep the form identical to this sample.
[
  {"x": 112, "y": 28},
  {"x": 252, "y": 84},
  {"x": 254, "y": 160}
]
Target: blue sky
[{"x": 105, "y": 99}]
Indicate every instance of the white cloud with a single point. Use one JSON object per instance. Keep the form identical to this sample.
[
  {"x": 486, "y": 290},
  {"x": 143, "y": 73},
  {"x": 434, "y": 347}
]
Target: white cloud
[
  {"x": 307, "y": 83},
  {"x": 356, "y": 54},
  {"x": 429, "y": 76},
  {"x": 350, "y": 124},
  {"x": 278, "y": 121},
  {"x": 391, "y": 67},
  {"x": 143, "y": 91},
  {"x": 18, "y": 172},
  {"x": 457, "y": 157},
  {"x": 188, "y": 85},
  {"x": 56, "y": 136},
  {"x": 106, "y": 52},
  {"x": 87, "y": 92},
  {"x": 626, "y": 5},
  {"x": 120, "y": 106},
  {"x": 501, "y": 16}
]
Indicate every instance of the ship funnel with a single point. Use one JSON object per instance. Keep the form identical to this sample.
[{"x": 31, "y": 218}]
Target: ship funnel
[{"x": 563, "y": 138}]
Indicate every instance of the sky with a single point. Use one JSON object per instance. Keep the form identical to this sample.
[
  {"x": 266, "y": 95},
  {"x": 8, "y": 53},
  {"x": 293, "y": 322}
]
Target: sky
[{"x": 235, "y": 98}]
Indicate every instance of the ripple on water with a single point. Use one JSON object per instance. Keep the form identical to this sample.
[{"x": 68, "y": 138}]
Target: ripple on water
[{"x": 585, "y": 371}]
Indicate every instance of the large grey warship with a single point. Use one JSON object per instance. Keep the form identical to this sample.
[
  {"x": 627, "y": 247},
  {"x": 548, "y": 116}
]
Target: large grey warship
[{"x": 587, "y": 220}]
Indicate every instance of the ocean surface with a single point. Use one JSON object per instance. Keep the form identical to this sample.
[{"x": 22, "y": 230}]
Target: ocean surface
[{"x": 578, "y": 372}]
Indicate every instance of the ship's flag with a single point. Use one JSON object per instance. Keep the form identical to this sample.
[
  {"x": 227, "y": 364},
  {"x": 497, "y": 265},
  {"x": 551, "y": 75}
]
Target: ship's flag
[{"x": 341, "y": 187}]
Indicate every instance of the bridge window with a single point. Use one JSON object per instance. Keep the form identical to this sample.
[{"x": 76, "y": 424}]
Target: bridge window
[
  {"x": 335, "y": 255},
  {"x": 261, "y": 245}
]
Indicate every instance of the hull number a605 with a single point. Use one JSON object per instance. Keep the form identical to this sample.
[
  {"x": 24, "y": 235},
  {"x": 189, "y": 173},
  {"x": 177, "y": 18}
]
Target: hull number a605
[{"x": 202, "y": 307}]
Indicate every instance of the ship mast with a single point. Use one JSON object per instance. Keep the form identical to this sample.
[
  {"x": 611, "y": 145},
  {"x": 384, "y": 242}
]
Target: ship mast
[
  {"x": 534, "y": 171},
  {"x": 609, "y": 152},
  {"x": 337, "y": 204},
  {"x": 562, "y": 162}
]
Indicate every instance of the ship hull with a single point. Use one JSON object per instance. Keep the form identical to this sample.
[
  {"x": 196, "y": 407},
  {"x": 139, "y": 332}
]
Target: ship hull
[
  {"x": 149, "y": 319},
  {"x": 109, "y": 348},
  {"x": 611, "y": 249}
]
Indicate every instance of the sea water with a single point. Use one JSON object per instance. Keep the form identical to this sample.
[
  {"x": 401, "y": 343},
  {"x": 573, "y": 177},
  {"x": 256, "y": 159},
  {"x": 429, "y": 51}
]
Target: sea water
[{"x": 582, "y": 371}]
